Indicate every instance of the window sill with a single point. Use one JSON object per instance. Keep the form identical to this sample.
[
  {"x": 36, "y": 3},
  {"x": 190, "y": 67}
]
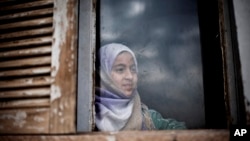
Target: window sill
[{"x": 167, "y": 135}]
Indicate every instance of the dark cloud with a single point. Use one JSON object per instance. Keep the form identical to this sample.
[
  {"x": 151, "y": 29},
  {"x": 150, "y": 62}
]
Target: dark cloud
[{"x": 164, "y": 34}]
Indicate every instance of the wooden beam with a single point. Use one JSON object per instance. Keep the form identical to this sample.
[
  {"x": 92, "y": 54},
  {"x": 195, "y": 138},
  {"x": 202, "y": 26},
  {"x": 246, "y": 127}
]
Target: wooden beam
[
  {"x": 26, "y": 82},
  {"x": 25, "y": 103},
  {"x": 27, "y": 42},
  {"x": 26, "y": 52},
  {"x": 26, "y": 72},
  {"x": 28, "y": 32},
  {"x": 24, "y": 93},
  {"x": 64, "y": 63},
  {"x": 27, "y": 23},
  {"x": 168, "y": 135},
  {"x": 27, "y": 5},
  {"x": 34, "y": 61},
  {"x": 27, "y": 14}
]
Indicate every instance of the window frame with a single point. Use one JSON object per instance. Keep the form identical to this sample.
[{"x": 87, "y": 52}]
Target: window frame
[
  {"x": 234, "y": 96},
  {"x": 86, "y": 61},
  {"x": 222, "y": 84}
]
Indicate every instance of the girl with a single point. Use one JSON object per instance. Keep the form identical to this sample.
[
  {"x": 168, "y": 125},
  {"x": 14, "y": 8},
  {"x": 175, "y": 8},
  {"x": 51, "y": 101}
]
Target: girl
[{"x": 117, "y": 102}]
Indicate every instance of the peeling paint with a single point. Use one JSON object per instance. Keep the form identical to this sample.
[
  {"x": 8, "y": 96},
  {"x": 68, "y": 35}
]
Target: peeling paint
[
  {"x": 39, "y": 119},
  {"x": 55, "y": 92},
  {"x": 61, "y": 60},
  {"x": 110, "y": 138},
  {"x": 45, "y": 79},
  {"x": 42, "y": 70},
  {"x": 39, "y": 129},
  {"x": 33, "y": 51},
  {"x": 61, "y": 106},
  {"x": 41, "y": 110},
  {"x": 26, "y": 103},
  {"x": 70, "y": 64},
  {"x": 59, "y": 34},
  {"x": 19, "y": 118},
  {"x": 55, "y": 111},
  {"x": 62, "y": 121},
  {"x": 27, "y": 93},
  {"x": 29, "y": 81},
  {"x": 43, "y": 137},
  {"x": 66, "y": 105}
]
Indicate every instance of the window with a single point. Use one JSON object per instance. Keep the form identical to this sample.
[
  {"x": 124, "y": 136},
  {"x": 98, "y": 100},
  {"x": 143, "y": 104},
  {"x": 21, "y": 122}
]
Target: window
[
  {"x": 211, "y": 63},
  {"x": 47, "y": 76},
  {"x": 165, "y": 37}
]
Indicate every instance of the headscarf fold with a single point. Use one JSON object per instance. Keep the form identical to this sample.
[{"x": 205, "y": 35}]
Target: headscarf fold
[{"x": 114, "y": 110}]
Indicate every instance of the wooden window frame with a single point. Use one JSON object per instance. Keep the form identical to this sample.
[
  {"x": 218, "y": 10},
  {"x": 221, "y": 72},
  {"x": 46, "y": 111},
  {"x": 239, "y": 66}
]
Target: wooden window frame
[
  {"x": 64, "y": 67},
  {"x": 234, "y": 96}
]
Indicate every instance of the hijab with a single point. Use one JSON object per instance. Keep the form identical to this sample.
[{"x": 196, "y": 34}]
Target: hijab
[{"x": 114, "y": 110}]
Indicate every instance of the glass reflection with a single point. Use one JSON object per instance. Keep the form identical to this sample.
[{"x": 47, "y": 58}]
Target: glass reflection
[{"x": 164, "y": 34}]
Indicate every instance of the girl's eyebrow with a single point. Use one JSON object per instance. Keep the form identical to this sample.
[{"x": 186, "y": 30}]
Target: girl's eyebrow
[
  {"x": 123, "y": 65},
  {"x": 119, "y": 65}
]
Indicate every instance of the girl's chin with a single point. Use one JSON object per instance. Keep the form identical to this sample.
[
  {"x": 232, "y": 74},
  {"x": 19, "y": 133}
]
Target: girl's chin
[{"x": 128, "y": 93}]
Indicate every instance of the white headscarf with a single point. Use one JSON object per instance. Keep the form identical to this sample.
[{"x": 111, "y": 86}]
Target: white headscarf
[
  {"x": 108, "y": 54},
  {"x": 114, "y": 110}
]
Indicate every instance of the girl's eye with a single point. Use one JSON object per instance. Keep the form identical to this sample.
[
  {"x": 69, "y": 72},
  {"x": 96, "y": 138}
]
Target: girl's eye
[
  {"x": 119, "y": 70},
  {"x": 133, "y": 69}
]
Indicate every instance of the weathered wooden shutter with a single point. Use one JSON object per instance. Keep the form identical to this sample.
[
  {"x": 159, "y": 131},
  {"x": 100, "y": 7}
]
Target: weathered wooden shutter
[{"x": 38, "y": 45}]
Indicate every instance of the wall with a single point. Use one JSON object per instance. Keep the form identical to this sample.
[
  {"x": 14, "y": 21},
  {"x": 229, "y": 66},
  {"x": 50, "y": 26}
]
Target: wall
[{"x": 242, "y": 14}]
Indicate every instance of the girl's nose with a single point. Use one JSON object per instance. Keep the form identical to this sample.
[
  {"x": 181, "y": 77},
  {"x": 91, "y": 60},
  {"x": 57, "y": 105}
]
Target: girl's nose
[{"x": 128, "y": 74}]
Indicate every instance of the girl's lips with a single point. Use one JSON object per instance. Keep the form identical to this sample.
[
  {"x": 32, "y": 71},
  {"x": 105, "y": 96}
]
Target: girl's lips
[{"x": 128, "y": 86}]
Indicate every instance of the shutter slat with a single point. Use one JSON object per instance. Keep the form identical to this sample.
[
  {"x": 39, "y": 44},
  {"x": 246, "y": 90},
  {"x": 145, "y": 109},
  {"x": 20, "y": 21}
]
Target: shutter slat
[
  {"x": 32, "y": 32},
  {"x": 24, "y": 93},
  {"x": 27, "y": 42},
  {"x": 42, "y": 102},
  {"x": 26, "y": 52},
  {"x": 27, "y": 5},
  {"x": 27, "y": 14},
  {"x": 26, "y": 30},
  {"x": 3, "y": 1},
  {"x": 25, "y": 72},
  {"x": 28, "y": 23},
  {"x": 26, "y": 82},
  {"x": 26, "y": 62}
]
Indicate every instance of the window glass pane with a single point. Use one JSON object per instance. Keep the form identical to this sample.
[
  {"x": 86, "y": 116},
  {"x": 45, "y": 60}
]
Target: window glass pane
[{"x": 164, "y": 34}]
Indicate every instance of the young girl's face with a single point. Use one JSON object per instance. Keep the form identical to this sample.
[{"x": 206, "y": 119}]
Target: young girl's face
[{"x": 124, "y": 73}]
